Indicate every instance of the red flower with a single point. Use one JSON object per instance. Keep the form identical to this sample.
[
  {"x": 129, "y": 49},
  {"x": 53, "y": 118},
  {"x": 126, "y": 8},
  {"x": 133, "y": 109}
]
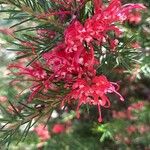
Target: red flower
[
  {"x": 97, "y": 5},
  {"x": 113, "y": 44},
  {"x": 58, "y": 128},
  {"x": 93, "y": 93},
  {"x": 35, "y": 73},
  {"x": 104, "y": 21},
  {"x": 73, "y": 60},
  {"x": 75, "y": 36},
  {"x": 70, "y": 65},
  {"x": 61, "y": 64}
]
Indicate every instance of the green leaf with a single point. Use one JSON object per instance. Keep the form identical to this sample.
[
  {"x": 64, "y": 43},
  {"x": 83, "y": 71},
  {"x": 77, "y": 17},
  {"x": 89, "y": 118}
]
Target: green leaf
[
  {"x": 23, "y": 56},
  {"x": 24, "y": 21},
  {"x": 106, "y": 135},
  {"x": 15, "y": 110}
]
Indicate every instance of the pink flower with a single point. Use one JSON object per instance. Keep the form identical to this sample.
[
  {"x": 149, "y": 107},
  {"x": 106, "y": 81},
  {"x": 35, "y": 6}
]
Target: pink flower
[
  {"x": 69, "y": 3},
  {"x": 93, "y": 92},
  {"x": 45, "y": 33},
  {"x": 30, "y": 45},
  {"x": 59, "y": 63},
  {"x": 134, "y": 18},
  {"x": 113, "y": 44},
  {"x": 42, "y": 132},
  {"x": 119, "y": 115},
  {"x": 143, "y": 128},
  {"x": 131, "y": 129},
  {"x": 3, "y": 99},
  {"x": 122, "y": 139},
  {"x": 58, "y": 128},
  {"x": 11, "y": 109},
  {"x": 135, "y": 45},
  {"x": 7, "y": 31},
  {"x": 134, "y": 107}
]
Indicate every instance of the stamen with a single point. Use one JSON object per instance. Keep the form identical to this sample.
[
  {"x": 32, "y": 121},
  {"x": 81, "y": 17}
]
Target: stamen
[{"x": 121, "y": 98}]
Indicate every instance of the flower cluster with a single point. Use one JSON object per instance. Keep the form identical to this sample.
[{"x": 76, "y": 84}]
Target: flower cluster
[
  {"x": 132, "y": 125},
  {"x": 128, "y": 114},
  {"x": 73, "y": 61},
  {"x": 44, "y": 134},
  {"x": 93, "y": 93}
]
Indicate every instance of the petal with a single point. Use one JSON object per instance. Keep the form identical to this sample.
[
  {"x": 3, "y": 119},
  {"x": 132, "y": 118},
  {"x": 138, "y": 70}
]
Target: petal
[
  {"x": 100, "y": 115},
  {"x": 121, "y": 98},
  {"x": 36, "y": 89},
  {"x": 104, "y": 101}
]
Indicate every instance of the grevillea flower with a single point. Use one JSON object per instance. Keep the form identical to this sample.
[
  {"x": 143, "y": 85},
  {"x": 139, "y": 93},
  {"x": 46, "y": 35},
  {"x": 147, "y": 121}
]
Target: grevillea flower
[
  {"x": 135, "y": 107},
  {"x": 93, "y": 92},
  {"x": 75, "y": 36},
  {"x": 36, "y": 74},
  {"x": 97, "y": 27},
  {"x": 35, "y": 70},
  {"x": 143, "y": 128},
  {"x": 104, "y": 21},
  {"x": 3, "y": 99},
  {"x": 120, "y": 115},
  {"x": 78, "y": 40},
  {"x": 7, "y": 31},
  {"x": 135, "y": 18},
  {"x": 97, "y": 5},
  {"x": 69, "y": 65},
  {"x": 128, "y": 114},
  {"x": 29, "y": 45},
  {"x": 131, "y": 129},
  {"x": 42, "y": 132},
  {"x": 73, "y": 60},
  {"x": 58, "y": 128},
  {"x": 45, "y": 33},
  {"x": 136, "y": 45},
  {"x": 59, "y": 63},
  {"x": 68, "y": 4}
]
